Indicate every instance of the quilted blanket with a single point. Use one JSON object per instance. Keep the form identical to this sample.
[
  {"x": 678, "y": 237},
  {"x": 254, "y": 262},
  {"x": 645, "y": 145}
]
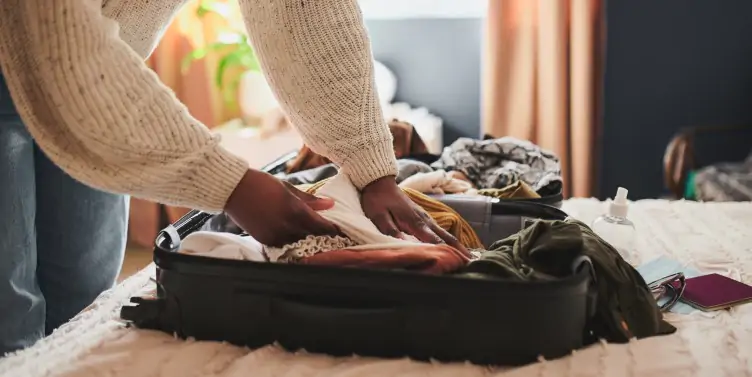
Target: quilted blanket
[{"x": 710, "y": 237}]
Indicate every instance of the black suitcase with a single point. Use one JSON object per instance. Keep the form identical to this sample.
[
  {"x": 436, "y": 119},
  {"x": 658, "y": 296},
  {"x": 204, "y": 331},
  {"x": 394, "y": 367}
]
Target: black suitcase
[{"x": 381, "y": 313}]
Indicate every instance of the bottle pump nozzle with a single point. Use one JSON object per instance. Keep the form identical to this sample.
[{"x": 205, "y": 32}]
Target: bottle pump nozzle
[{"x": 619, "y": 206}]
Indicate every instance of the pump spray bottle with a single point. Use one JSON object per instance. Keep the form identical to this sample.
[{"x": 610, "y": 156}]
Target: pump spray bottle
[{"x": 615, "y": 228}]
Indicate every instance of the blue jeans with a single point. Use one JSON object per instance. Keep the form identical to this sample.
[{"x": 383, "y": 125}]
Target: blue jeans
[{"x": 61, "y": 242}]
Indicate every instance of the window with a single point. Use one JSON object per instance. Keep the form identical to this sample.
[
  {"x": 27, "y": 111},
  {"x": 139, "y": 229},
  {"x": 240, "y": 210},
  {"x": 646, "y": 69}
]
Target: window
[{"x": 400, "y": 9}]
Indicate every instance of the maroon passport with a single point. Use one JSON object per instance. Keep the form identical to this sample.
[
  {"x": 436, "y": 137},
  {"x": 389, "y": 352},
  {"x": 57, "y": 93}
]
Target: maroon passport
[{"x": 715, "y": 292}]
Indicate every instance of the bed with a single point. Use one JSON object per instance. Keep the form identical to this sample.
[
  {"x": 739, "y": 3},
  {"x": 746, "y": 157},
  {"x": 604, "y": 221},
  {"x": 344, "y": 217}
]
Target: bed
[{"x": 712, "y": 237}]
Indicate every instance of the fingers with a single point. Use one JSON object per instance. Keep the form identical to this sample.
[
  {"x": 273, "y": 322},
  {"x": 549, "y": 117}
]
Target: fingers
[
  {"x": 316, "y": 203},
  {"x": 425, "y": 229},
  {"x": 311, "y": 222},
  {"x": 449, "y": 239},
  {"x": 385, "y": 223},
  {"x": 423, "y": 232},
  {"x": 412, "y": 222},
  {"x": 319, "y": 203}
]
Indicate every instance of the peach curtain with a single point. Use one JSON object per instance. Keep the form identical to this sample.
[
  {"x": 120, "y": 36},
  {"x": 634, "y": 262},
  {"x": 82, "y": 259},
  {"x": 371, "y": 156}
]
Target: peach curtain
[
  {"x": 542, "y": 79},
  {"x": 195, "y": 88}
]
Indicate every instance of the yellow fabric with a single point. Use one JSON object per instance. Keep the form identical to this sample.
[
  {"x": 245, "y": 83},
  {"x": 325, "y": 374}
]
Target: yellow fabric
[
  {"x": 517, "y": 190},
  {"x": 447, "y": 219},
  {"x": 444, "y": 215},
  {"x": 313, "y": 187}
]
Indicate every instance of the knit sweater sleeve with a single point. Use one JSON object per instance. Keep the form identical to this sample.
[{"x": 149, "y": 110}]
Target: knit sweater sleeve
[
  {"x": 99, "y": 113},
  {"x": 316, "y": 55}
]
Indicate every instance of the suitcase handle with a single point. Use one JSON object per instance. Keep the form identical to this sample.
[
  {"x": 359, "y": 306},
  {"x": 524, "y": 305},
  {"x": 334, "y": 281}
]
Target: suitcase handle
[{"x": 287, "y": 309}]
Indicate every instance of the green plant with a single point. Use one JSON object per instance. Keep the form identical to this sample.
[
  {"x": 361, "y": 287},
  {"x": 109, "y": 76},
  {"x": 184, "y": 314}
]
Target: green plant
[{"x": 234, "y": 46}]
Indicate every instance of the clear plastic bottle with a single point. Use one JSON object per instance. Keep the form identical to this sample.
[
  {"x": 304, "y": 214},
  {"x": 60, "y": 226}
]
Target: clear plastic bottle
[{"x": 616, "y": 229}]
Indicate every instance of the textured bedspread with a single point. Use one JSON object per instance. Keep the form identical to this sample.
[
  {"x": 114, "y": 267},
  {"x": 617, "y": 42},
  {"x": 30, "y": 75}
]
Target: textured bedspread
[{"x": 713, "y": 237}]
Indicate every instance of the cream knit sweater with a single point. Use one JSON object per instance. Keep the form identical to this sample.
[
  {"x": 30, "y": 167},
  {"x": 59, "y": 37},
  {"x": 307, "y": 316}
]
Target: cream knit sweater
[{"x": 76, "y": 74}]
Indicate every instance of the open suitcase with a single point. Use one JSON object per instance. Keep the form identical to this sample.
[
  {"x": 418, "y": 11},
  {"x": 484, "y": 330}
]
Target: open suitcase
[{"x": 381, "y": 313}]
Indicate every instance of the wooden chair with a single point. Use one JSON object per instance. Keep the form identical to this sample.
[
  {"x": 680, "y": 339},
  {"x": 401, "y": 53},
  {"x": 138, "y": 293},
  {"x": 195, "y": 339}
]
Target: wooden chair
[{"x": 680, "y": 158}]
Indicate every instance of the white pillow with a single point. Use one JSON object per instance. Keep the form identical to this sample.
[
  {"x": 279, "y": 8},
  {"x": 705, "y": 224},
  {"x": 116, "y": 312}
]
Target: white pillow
[{"x": 386, "y": 83}]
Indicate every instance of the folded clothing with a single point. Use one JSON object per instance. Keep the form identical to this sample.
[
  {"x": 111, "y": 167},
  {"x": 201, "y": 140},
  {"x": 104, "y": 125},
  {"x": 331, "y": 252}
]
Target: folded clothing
[
  {"x": 430, "y": 259},
  {"x": 435, "y": 182},
  {"x": 360, "y": 232},
  {"x": 223, "y": 245},
  {"x": 447, "y": 218},
  {"x": 347, "y": 213},
  {"x": 407, "y": 168},
  {"x": 546, "y": 250},
  {"x": 325, "y": 251},
  {"x": 243, "y": 247},
  {"x": 459, "y": 175},
  {"x": 455, "y": 182},
  {"x": 498, "y": 163},
  {"x": 517, "y": 190}
]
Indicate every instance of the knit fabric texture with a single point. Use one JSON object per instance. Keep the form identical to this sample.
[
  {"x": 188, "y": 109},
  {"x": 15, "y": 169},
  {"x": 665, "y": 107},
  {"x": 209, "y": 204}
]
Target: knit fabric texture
[
  {"x": 307, "y": 247},
  {"x": 405, "y": 137},
  {"x": 76, "y": 74}
]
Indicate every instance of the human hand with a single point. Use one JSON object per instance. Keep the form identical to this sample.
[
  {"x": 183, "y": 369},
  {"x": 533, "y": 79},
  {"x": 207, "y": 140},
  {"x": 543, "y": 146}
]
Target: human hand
[
  {"x": 394, "y": 213},
  {"x": 276, "y": 213}
]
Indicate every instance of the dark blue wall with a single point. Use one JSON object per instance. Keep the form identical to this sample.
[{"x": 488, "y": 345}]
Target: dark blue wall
[{"x": 672, "y": 64}]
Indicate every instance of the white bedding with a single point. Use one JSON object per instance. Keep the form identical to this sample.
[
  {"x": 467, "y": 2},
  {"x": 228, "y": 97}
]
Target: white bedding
[{"x": 712, "y": 237}]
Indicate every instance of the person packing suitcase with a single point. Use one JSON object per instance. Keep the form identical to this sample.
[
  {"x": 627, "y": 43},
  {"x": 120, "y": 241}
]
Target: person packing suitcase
[{"x": 85, "y": 117}]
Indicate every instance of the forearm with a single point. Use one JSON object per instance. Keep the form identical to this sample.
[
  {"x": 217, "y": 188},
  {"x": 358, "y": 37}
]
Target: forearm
[
  {"x": 101, "y": 115},
  {"x": 317, "y": 58}
]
